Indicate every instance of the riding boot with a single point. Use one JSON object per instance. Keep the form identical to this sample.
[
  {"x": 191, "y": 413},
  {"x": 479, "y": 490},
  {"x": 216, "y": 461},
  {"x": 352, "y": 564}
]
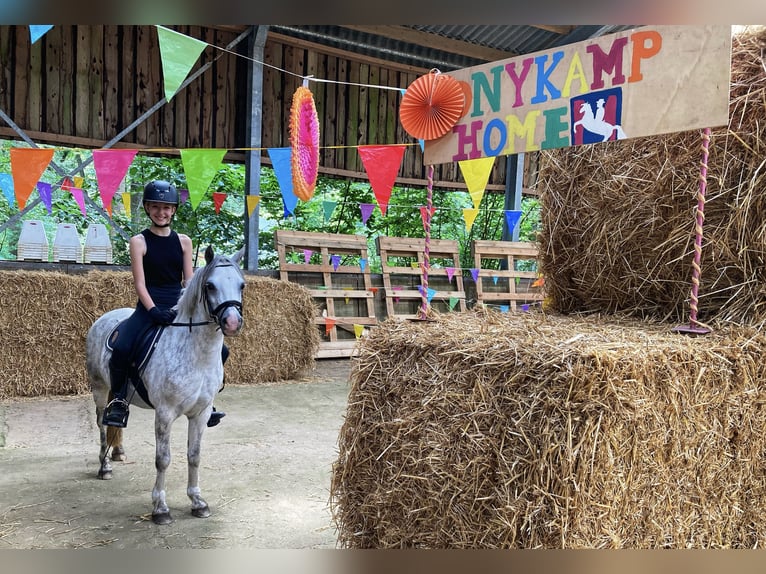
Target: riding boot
[
  {"x": 116, "y": 412},
  {"x": 216, "y": 416}
]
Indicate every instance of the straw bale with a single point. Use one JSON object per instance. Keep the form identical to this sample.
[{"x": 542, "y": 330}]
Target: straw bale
[
  {"x": 529, "y": 430},
  {"x": 618, "y": 219},
  {"x": 47, "y": 315}
]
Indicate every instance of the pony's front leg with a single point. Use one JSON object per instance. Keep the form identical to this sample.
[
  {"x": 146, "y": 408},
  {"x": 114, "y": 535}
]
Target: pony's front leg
[
  {"x": 197, "y": 425},
  {"x": 161, "y": 512},
  {"x": 105, "y": 465}
]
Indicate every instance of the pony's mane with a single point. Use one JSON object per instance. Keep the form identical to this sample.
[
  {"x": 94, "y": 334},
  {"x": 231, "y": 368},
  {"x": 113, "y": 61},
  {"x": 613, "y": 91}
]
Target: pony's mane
[{"x": 193, "y": 294}]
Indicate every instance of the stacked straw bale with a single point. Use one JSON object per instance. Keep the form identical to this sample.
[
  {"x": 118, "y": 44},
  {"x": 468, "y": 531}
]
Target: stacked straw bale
[
  {"x": 619, "y": 218},
  {"x": 47, "y": 314},
  {"x": 531, "y": 430}
]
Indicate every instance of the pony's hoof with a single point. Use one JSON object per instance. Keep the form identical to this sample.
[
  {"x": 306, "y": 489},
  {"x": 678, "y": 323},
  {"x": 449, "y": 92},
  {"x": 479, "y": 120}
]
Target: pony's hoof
[
  {"x": 203, "y": 512},
  {"x": 162, "y": 518},
  {"x": 118, "y": 454},
  {"x": 105, "y": 474}
]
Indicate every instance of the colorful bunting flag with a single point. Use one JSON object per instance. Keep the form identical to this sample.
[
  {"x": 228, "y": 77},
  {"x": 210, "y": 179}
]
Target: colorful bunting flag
[
  {"x": 6, "y": 184},
  {"x": 126, "y": 202},
  {"x": 218, "y": 199},
  {"x": 362, "y": 263},
  {"x": 382, "y": 163},
  {"x": 178, "y": 53},
  {"x": 37, "y": 32},
  {"x": 424, "y": 214},
  {"x": 44, "y": 190},
  {"x": 452, "y": 302},
  {"x": 505, "y": 308},
  {"x": 358, "y": 330},
  {"x": 329, "y": 208},
  {"x": 475, "y": 275},
  {"x": 469, "y": 215},
  {"x": 200, "y": 167},
  {"x": 511, "y": 219},
  {"x": 79, "y": 181},
  {"x": 476, "y": 175},
  {"x": 427, "y": 291},
  {"x": 79, "y": 198},
  {"x": 450, "y": 274},
  {"x": 494, "y": 279},
  {"x": 27, "y": 165},
  {"x": 280, "y": 162},
  {"x": 366, "y": 209},
  {"x": 252, "y": 203},
  {"x": 111, "y": 165},
  {"x": 183, "y": 195},
  {"x": 335, "y": 261},
  {"x": 329, "y": 325},
  {"x": 307, "y": 253}
]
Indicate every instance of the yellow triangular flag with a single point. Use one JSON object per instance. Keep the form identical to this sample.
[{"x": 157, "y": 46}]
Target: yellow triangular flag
[
  {"x": 469, "y": 214},
  {"x": 252, "y": 203},
  {"x": 126, "y": 202},
  {"x": 178, "y": 53},
  {"x": 358, "y": 330},
  {"x": 476, "y": 174},
  {"x": 78, "y": 181}
]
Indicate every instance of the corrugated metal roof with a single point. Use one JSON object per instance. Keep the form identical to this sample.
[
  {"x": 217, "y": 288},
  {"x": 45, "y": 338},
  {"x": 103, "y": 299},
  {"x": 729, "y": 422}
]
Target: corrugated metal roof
[{"x": 398, "y": 45}]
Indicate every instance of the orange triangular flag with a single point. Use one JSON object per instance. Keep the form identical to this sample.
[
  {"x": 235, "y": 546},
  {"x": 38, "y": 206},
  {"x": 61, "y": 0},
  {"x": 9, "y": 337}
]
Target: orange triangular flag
[
  {"x": 329, "y": 325},
  {"x": 218, "y": 199},
  {"x": 382, "y": 163},
  {"x": 27, "y": 165}
]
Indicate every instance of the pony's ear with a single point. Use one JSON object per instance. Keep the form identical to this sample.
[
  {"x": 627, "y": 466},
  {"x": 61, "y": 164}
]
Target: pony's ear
[
  {"x": 209, "y": 254},
  {"x": 237, "y": 257}
]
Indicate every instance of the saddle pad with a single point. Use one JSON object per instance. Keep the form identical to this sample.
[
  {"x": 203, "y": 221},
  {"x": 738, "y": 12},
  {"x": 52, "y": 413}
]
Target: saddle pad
[{"x": 143, "y": 349}]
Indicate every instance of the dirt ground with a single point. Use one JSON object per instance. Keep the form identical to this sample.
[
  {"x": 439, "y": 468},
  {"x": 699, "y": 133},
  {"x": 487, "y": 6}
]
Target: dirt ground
[{"x": 265, "y": 471}]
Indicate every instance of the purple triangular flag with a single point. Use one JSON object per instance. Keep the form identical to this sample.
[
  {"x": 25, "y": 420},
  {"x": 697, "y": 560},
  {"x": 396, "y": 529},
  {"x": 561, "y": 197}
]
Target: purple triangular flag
[
  {"x": 450, "y": 273},
  {"x": 44, "y": 189},
  {"x": 307, "y": 255},
  {"x": 335, "y": 261},
  {"x": 475, "y": 275},
  {"x": 366, "y": 209},
  {"x": 183, "y": 195}
]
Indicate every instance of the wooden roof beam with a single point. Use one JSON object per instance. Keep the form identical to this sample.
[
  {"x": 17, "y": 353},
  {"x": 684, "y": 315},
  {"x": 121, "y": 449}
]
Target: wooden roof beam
[{"x": 411, "y": 36}]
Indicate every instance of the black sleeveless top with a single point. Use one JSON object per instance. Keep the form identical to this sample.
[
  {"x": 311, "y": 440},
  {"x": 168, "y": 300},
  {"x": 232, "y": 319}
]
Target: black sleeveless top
[{"x": 163, "y": 267}]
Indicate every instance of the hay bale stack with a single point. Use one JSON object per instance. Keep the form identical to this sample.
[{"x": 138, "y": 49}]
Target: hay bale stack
[
  {"x": 525, "y": 430},
  {"x": 619, "y": 218},
  {"x": 47, "y": 315}
]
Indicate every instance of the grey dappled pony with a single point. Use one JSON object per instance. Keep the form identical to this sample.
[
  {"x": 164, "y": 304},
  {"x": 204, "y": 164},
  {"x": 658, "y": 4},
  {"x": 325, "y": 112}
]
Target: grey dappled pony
[{"x": 182, "y": 376}]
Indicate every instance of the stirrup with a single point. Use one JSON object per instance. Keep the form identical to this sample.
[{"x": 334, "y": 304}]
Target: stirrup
[
  {"x": 215, "y": 417},
  {"x": 116, "y": 413}
]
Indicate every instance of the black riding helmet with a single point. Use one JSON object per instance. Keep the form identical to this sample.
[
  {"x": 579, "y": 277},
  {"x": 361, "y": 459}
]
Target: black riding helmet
[{"x": 161, "y": 192}]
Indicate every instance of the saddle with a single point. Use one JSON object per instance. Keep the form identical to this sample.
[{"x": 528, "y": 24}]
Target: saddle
[{"x": 143, "y": 349}]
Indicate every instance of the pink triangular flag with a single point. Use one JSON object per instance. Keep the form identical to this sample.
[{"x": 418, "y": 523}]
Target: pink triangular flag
[
  {"x": 307, "y": 255},
  {"x": 366, "y": 209},
  {"x": 382, "y": 163},
  {"x": 450, "y": 273},
  {"x": 111, "y": 165},
  {"x": 27, "y": 165},
  {"x": 78, "y": 197}
]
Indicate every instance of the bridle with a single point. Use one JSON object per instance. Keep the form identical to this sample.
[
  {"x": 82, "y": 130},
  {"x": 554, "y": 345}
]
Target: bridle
[{"x": 216, "y": 315}]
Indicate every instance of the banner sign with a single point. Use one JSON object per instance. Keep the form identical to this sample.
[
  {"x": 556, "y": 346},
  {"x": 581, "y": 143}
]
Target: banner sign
[{"x": 641, "y": 82}]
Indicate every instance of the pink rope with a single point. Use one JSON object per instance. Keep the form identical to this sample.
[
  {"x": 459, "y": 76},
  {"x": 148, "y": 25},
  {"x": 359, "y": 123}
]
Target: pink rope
[
  {"x": 696, "y": 264},
  {"x": 427, "y": 250}
]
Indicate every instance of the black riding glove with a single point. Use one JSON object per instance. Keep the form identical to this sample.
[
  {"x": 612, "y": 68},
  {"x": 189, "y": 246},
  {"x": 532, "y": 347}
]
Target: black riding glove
[{"x": 161, "y": 317}]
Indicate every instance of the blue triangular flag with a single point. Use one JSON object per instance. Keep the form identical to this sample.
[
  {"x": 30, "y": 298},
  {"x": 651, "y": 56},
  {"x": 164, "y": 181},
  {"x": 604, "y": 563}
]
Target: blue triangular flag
[
  {"x": 362, "y": 263},
  {"x": 280, "y": 161},
  {"x": 511, "y": 219},
  {"x": 505, "y": 308},
  {"x": 36, "y": 32},
  {"x": 6, "y": 183}
]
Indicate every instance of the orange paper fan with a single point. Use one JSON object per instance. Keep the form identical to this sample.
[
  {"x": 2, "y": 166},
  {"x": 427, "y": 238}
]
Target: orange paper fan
[{"x": 431, "y": 105}]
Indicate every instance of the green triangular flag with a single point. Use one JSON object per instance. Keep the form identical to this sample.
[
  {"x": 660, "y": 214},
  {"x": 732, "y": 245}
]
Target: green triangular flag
[
  {"x": 329, "y": 207},
  {"x": 178, "y": 54},
  {"x": 200, "y": 167}
]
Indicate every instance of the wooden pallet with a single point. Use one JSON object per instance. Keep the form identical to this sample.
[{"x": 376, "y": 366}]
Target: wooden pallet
[
  {"x": 498, "y": 259},
  {"x": 402, "y": 261},
  {"x": 336, "y": 288}
]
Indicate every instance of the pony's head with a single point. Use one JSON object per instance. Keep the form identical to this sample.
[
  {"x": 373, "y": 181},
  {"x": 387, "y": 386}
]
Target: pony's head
[{"x": 218, "y": 286}]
